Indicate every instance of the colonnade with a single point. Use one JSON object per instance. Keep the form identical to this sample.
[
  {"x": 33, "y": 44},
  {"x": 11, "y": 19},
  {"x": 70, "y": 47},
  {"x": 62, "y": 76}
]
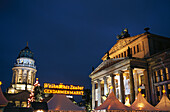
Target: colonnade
[
  {"x": 113, "y": 88},
  {"x": 23, "y": 76}
]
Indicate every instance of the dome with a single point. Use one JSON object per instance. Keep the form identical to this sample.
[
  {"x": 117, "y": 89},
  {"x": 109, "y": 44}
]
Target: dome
[{"x": 26, "y": 52}]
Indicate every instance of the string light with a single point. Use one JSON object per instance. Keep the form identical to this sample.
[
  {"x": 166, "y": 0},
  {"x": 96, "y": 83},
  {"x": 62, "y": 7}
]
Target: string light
[{"x": 139, "y": 89}]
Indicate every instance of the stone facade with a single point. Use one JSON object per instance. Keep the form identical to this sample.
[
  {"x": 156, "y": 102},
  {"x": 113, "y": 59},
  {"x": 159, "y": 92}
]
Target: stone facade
[
  {"x": 23, "y": 78},
  {"x": 141, "y": 61}
]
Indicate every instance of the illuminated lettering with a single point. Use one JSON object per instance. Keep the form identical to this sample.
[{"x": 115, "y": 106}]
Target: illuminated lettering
[
  {"x": 63, "y": 89},
  {"x": 63, "y": 92},
  {"x": 61, "y": 86}
]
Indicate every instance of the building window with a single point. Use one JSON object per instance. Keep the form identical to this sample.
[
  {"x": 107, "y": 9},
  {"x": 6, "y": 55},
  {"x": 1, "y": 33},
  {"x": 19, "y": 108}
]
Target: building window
[
  {"x": 142, "y": 80},
  {"x": 167, "y": 74},
  {"x": 161, "y": 75},
  {"x": 134, "y": 51},
  {"x": 116, "y": 56},
  {"x": 19, "y": 80},
  {"x": 121, "y": 54},
  {"x": 156, "y": 76},
  {"x": 158, "y": 93},
  {"x": 17, "y": 103},
  {"x": 24, "y": 104},
  {"x": 124, "y": 53},
  {"x": 137, "y": 48}
]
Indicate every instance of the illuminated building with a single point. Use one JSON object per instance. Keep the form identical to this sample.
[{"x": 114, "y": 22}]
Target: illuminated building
[
  {"x": 24, "y": 72},
  {"x": 23, "y": 78},
  {"x": 140, "y": 61}
]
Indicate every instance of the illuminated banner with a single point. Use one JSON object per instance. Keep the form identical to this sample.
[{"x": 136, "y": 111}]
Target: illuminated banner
[{"x": 63, "y": 89}]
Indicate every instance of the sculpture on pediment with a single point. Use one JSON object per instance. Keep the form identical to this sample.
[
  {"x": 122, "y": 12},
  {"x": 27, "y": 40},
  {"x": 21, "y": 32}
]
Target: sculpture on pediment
[
  {"x": 92, "y": 68},
  {"x": 124, "y": 34},
  {"x": 108, "y": 57},
  {"x": 129, "y": 52}
]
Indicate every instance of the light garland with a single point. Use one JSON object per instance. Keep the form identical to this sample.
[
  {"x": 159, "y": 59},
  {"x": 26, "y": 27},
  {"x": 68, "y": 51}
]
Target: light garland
[{"x": 32, "y": 98}]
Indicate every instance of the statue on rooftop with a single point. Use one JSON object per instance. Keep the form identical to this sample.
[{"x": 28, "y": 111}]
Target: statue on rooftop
[
  {"x": 108, "y": 57},
  {"x": 124, "y": 34}
]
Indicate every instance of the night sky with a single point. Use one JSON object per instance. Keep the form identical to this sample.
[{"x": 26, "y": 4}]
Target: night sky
[{"x": 69, "y": 37}]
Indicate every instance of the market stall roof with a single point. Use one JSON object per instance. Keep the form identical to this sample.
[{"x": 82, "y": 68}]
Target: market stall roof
[
  {"x": 141, "y": 104},
  {"x": 164, "y": 104},
  {"x": 21, "y": 96},
  {"x": 112, "y": 103},
  {"x": 3, "y": 100},
  {"x": 62, "y": 103}
]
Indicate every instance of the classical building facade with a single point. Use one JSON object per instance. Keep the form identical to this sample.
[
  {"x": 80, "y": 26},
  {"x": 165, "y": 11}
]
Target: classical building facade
[
  {"x": 24, "y": 72},
  {"x": 23, "y": 78},
  {"x": 140, "y": 61}
]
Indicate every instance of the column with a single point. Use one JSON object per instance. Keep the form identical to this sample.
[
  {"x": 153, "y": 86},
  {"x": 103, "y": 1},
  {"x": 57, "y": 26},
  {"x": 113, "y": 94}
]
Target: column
[
  {"x": 112, "y": 76},
  {"x": 16, "y": 78},
  {"x": 122, "y": 92},
  {"x": 147, "y": 88},
  {"x": 27, "y": 76},
  {"x": 99, "y": 92},
  {"x": 16, "y": 75},
  {"x": 26, "y": 80},
  {"x": 22, "y": 75},
  {"x": 93, "y": 94},
  {"x": 132, "y": 93},
  {"x": 105, "y": 85},
  {"x": 13, "y": 77},
  {"x": 34, "y": 77},
  {"x": 136, "y": 80}
]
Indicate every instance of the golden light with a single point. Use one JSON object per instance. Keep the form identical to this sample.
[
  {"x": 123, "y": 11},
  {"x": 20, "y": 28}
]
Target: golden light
[
  {"x": 40, "y": 111},
  {"x": 111, "y": 87},
  {"x": 37, "y": 79},
  {"x": 0, "y": 83},
  {"x": 127, "y": 98},
  {"x": 163, "y": 91},
  {"x": 104, "y": 98},
  {"x": 143, "y": 95},
  {"x": 140, "y": 105},
  {"x": 139, "y": 90},
  {"x": 127, "y": 102}
]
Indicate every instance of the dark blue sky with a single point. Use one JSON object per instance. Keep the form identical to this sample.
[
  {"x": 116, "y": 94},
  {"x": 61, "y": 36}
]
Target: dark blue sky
[{"x": 69, "y": 37}]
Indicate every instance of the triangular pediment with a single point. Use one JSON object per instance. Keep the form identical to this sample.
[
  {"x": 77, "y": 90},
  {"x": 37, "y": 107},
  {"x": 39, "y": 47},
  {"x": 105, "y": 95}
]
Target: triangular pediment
[
  {"x": 106, "y": 64},
  {"x": 124, "y": 42}
]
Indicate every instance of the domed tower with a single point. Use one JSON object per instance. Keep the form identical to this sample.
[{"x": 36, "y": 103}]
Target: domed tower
[{"x": 24, "y": 72}]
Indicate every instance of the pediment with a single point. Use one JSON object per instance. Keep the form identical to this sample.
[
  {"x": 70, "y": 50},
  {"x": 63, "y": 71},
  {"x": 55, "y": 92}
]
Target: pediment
[
  {"x": 106, "y": 64},
  {"x": 122, "y": 43}
]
